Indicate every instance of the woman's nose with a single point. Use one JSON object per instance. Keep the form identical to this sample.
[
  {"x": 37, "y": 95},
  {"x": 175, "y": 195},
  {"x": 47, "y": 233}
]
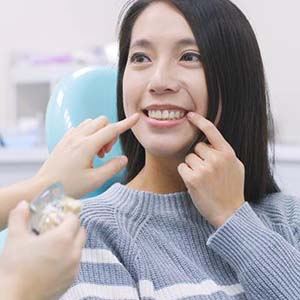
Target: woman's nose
[{"x": 162, "y": 82}]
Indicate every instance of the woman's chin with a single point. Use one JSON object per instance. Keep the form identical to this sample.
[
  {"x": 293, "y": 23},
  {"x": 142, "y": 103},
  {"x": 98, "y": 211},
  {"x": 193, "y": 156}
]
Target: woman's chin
[{"x": 167, "y": 152}]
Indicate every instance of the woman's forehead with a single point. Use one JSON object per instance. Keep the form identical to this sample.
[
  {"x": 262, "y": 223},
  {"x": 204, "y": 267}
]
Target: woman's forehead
[
  {"x": 161, "y": 20},
  {"x": 177, "y": 43}
]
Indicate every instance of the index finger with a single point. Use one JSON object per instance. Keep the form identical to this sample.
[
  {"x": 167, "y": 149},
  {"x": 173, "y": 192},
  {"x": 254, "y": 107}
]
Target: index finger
[
  {"x": 112, "y": 131},
  {"x": 127, "y": 123},
  {"x": 213, "y": 135}
]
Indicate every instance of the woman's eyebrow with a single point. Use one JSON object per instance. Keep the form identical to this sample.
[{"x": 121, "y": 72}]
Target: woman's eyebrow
[{"x": 144, "y": 43}]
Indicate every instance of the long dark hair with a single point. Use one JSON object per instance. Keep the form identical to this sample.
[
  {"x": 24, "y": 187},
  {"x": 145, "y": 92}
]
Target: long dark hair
[{"x": 234, "y": 73}]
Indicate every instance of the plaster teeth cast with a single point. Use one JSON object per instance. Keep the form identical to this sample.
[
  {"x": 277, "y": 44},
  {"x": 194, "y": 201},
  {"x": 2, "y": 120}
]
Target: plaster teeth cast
[{"x": 50, "y": 208}]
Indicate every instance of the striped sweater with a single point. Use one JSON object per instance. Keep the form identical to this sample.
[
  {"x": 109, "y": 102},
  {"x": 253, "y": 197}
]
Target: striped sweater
[{"x": 143, "y": 245}]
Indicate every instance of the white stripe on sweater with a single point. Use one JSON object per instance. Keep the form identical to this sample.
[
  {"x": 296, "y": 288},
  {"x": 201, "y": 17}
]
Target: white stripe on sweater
[
  {"x": 174, "y": 292},
  {"x": 98, "y": 256},
  {"x": 111, "y": 292},
  {"x": 183, "y": 290}
]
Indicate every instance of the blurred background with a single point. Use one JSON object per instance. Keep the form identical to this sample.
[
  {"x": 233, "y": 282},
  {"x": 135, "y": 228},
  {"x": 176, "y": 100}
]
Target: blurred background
[{"x": 42, "y": 41}]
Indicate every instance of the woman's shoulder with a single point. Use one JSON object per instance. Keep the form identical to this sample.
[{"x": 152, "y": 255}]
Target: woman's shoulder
[
  {"x": 100, "y": 208},
  {"x": 280, "y": 208},
  {"x": 106, "y": 230}
]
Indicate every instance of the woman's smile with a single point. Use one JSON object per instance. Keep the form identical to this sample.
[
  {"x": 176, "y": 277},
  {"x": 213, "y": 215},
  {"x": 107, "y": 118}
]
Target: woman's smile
[
  {"x": 164, "y": 115},
  {"x": 162, "y": 123}
]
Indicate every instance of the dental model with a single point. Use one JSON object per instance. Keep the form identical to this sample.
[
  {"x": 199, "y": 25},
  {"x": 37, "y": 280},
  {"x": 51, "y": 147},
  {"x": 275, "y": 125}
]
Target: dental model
[{"x": 50, "y": 209}]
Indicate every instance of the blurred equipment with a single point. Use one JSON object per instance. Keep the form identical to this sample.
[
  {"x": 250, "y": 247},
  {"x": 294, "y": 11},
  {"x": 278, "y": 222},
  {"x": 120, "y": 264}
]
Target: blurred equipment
[{"x": 2, "y": 144}]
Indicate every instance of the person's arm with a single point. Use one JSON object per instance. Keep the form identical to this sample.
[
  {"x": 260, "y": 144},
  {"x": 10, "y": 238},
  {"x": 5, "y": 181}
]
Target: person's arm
[
  {"x": 39, "y": 267},
  {"x": 266, "y": 264},
  {"x": 71, "y": 164}
]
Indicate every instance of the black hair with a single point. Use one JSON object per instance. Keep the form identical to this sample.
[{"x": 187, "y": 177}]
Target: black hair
[{"x": 234, "y": 75}]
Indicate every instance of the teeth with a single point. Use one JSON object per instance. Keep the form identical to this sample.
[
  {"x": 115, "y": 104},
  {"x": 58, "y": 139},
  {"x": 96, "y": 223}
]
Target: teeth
[{"x": 165, "y": 114}]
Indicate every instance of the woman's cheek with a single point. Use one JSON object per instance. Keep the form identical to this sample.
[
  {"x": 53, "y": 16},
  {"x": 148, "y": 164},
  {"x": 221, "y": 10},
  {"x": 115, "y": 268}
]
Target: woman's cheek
[
  {"x": 133, "y": 91},
  {"x": 127, "y": 90}
]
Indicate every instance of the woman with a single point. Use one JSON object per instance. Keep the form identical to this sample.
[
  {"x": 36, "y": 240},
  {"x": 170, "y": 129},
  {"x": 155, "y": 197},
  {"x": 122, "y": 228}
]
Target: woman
[{"x": 199, "y": 215}]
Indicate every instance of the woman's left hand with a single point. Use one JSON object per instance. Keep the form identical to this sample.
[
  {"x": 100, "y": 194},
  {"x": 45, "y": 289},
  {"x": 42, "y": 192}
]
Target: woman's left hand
[{"x": 213, "y": 175}]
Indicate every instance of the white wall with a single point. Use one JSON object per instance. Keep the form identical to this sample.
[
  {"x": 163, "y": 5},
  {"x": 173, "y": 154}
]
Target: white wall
[
  {"x": 67, "y": 24},
  {"x": 277, "y": 24},
  {"x": 51, "y": 25}
]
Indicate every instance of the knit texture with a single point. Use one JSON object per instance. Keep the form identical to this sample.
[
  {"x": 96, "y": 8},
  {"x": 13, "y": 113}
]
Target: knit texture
[{"x": 143, "y": 245}]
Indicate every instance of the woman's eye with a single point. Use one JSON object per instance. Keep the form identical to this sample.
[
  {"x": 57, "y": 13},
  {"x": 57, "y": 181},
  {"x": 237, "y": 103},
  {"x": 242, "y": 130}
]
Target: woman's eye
[
  {"x": 192, "y": 57},
  {"x": 139, "y": 58}
]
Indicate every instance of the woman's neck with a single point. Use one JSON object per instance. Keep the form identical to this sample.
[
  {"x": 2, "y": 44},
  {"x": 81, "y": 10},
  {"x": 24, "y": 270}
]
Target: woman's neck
[{"x": 158, "y": 176}]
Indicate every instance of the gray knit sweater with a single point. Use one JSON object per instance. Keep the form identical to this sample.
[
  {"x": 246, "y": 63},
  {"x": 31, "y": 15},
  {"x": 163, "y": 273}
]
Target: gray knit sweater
[{"x": 146, "y": 246}]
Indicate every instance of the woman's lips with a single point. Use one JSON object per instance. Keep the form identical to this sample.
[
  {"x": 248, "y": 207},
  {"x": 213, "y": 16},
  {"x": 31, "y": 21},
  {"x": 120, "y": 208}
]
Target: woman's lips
[{"x": 162, "y": 123}]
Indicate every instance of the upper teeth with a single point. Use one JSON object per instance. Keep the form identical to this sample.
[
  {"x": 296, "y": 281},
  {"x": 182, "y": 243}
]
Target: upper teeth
[{"x": 165, "y": 114}]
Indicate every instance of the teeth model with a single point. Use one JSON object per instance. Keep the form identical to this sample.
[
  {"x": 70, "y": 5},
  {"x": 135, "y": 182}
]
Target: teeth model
[
  {"x": 52, "y": 216},
  {"x": 50, "y": 209}
]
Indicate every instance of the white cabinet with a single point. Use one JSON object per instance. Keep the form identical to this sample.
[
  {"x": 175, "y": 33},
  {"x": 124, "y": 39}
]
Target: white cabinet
[
  {"x": 16, "y": 165},
  {"x": 31, "y": 88}
]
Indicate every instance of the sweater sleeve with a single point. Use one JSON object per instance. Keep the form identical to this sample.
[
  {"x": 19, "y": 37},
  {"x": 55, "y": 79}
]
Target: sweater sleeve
[
  {"x": 102, "y": 273},
  {"x": 268, "y": 267}
]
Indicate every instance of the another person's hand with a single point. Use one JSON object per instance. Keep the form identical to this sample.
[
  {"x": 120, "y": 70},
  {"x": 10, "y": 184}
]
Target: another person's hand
[
  {"x": 39, "y": 267},
  {"x": 71, "y": 161}
]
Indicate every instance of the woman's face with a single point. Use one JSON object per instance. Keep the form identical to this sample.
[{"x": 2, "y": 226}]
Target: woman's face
[{"x": 164, "y": 70}]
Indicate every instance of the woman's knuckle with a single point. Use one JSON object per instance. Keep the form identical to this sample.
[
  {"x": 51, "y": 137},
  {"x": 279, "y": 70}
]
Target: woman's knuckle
[
  {"x": 193, "y": 181},
  {"x": 229, "y": 155},
  {"x": 211, "y": 169}
]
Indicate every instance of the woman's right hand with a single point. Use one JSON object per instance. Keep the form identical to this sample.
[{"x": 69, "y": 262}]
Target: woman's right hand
[
  {"x": 71, "y": 161},
  {"x": 39, "y": 267}
]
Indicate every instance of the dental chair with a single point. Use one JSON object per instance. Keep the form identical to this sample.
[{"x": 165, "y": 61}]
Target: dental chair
[{"x": 87, "y": 93}]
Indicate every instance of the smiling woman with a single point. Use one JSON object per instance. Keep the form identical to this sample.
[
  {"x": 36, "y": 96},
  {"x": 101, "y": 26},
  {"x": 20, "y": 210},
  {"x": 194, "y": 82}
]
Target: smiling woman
[
  {"x": 202, "y": 51},
  {"x": 199, "y": 215}
]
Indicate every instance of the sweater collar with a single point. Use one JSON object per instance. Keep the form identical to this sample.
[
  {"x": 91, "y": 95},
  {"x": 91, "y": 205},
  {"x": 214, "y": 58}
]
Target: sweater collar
[{"x": 148, "y": 203}]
